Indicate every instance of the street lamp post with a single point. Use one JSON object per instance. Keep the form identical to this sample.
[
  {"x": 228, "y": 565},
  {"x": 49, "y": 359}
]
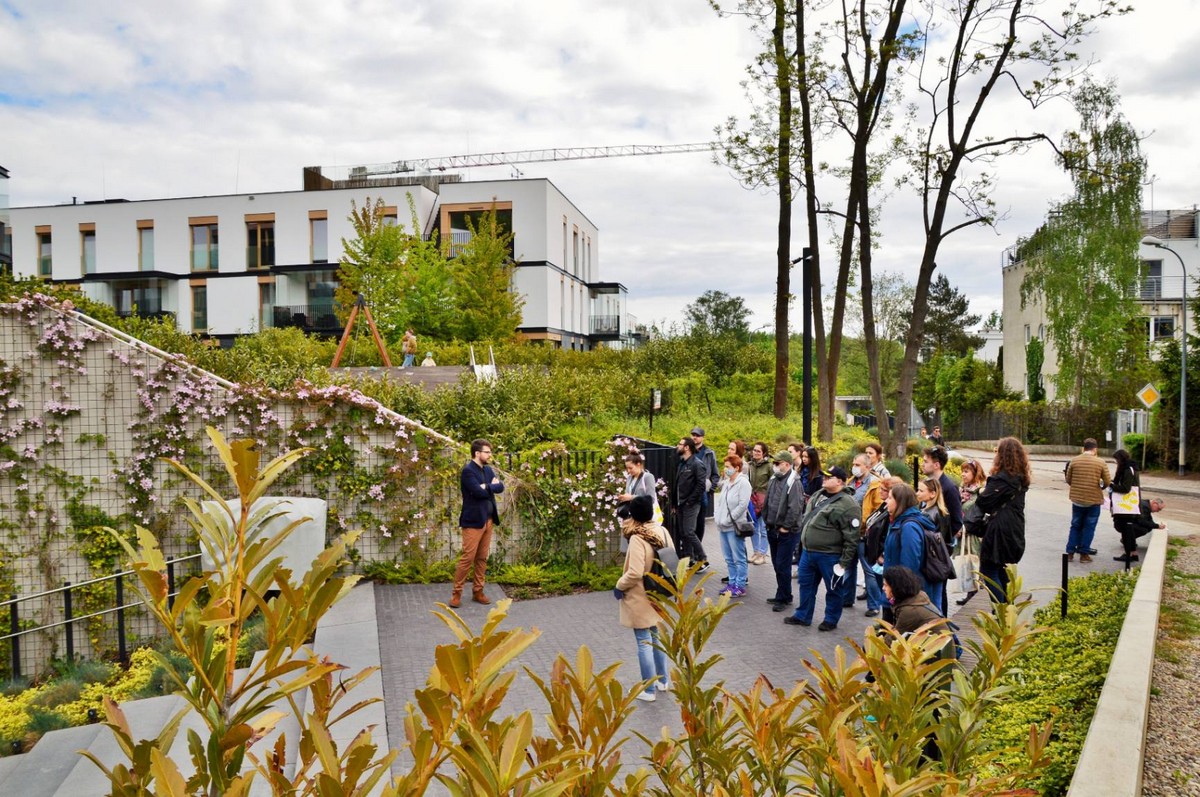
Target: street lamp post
[
  {"x": 805, "y": 259},
  {"x": 1157, "y": 243}
]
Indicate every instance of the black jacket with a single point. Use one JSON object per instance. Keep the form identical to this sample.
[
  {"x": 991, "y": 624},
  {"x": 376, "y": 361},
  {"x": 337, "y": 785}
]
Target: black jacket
[
  {"x": 1136, "y": 525},
  {"x": 1003, "y": 500},
  {"x": 1126, "y": 479},
  {"x": 478, "y": 496},
  {"x": 689, "y": 482},
  {"x": 785, "y": 503}
]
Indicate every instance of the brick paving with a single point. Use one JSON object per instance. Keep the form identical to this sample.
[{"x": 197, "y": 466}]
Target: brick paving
[{"x": 752, "y": 638}]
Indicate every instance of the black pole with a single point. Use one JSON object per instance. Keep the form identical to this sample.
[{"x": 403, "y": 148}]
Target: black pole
[
  {"x": 14, "y": 626},
  {"x": 916, "y": 470},
  {"x": 171, "y": 585},
  {"x": 121, "y": 621},
  {"x": 652, "y": 409},
  {"x": 69, "y": 626},
  {"x": 1063, "y": 599},
  {"x": 806, "y": 255}
]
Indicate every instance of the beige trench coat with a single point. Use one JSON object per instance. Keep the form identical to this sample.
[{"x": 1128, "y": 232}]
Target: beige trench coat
[{"x": 637, "y": 611}]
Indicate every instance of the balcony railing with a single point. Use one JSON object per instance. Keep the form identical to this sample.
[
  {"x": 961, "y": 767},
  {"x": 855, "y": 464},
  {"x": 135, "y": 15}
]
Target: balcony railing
[
  {"x": 309, "y": 317},
  {"x": 1152, "y": 289},
  {"x": 606, "y": 326},
  {"x": 146, "y": 312}
]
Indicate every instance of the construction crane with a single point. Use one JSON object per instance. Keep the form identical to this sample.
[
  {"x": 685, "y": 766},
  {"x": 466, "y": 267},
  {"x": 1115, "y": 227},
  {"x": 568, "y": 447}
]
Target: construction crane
[{"x": 514, "y": 157}]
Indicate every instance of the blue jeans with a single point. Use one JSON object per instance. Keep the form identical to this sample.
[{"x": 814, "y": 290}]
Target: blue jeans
[
  {"x": 734, "y": 548},
  {"x": 408, "y": 360},
  {"x": 760, "y": 535},
  {"x": 651, "y": 658},
  {"x": 783, "y": 547},
  {"x": 875, "y": 599},
  {"x": 998, "y": 583},
  {"x": 849, "y": 588},
  {"x": 1083, "y": 528},
  {"x": 814, "y": 569}
]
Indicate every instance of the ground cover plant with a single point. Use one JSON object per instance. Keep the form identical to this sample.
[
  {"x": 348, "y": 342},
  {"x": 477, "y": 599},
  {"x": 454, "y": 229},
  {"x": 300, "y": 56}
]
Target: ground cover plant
[{"x": 1060, "y": 676}]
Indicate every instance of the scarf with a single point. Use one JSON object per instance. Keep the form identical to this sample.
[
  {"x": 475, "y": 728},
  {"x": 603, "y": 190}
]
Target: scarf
[{"x": 648, "y": 531}]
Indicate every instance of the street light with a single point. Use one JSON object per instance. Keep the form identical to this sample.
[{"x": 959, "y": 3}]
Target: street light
[
  {"x": 1157, "y": 243},
  {"x": 806, "y": 257}
]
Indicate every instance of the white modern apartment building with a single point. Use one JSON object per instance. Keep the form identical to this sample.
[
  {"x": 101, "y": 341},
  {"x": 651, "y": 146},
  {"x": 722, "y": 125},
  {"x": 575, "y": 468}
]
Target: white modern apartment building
[
  {"x": 1159, "y": 292},
  {"x": 231, "y": 265}
]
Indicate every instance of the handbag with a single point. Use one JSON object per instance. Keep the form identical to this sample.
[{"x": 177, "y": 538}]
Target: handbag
[
  {"x": 743, "y": 527},
  {"x": 966, "y": 568},
  {"x": 935, "y": 564},
  {"x": 1127, "y": 503},
  {"x": 660, "y": 581}
]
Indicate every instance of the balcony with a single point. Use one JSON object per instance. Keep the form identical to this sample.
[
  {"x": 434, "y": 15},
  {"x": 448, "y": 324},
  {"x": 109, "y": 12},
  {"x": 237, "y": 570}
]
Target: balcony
[
  {"x": 147, "y": 312},
  {"x": 316, "y": 319},
  {"x": 1157, "y": 289},
  {"x": 606, "y": 327}
]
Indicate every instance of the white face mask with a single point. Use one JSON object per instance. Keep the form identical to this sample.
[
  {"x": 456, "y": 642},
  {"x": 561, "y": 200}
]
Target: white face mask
[
  {"x": 856, "y": 470},
  {"x": 776, "y": 470},
  {"x": 729, "y": 471}
]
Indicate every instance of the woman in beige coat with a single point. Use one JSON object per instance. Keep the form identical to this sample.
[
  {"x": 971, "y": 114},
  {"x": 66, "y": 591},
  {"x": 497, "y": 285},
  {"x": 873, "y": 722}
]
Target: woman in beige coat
[{"x": 637, "y": 611}]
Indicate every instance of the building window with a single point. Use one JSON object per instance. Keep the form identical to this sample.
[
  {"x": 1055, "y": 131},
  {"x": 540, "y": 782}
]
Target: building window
[
  {"x": 87, "y": 251},
  {"x": 1151, "y": 286},
  {"x": 458, "y": 222},
  {"x": 199, "y": 308},
  {"x": 204, "y": 247},
  {"x": 1162, "y": 327},
  {"x": 318, "y": 229},
  {"x": 1041, "y": 331},
  {"x": 1027, "y": 333},
  {"x": 146, "y": 248},
  {"x": 575, "y": 253},
  {"x": 564, "y": 260},
  {"x": 260, "y": 244},
  {"x": 45, "y": 259},
  {"x": 266, "y": 305}
]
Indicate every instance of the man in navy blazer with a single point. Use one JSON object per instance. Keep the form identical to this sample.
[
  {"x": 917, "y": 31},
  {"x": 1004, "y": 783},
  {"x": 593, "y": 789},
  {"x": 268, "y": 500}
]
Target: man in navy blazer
[{"x": 479, "y": 484}]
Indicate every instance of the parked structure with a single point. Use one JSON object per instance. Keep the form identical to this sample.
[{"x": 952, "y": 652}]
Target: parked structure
[
  {"x": 1159, "y": 292},
  {"x": 234, "y": 264}
]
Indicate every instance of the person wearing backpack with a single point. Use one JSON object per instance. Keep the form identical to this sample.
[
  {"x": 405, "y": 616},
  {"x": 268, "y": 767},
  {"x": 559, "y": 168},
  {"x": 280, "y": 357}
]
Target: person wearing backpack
[
  {"x": 905, "y": 542},
  {"x": 1002, "y": 500},
  {"x": 646, "y": 537}
]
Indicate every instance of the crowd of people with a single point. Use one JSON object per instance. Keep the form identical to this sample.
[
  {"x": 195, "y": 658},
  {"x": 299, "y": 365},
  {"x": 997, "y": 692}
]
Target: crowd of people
[{"x": 820, "y": 529}]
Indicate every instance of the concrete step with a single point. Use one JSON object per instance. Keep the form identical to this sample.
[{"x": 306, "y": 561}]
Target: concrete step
[
  {"x": 39, "y": 772},
  {"x": 146, "y": 718},
  {"x": 7, "y": 765}
]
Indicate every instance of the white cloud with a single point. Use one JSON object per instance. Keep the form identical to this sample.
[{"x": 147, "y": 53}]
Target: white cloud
[{"x": 143, "y": 100}]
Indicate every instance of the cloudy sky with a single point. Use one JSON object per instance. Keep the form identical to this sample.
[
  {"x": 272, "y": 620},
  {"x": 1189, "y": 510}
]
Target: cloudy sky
[{"x": 144, "y": 100}]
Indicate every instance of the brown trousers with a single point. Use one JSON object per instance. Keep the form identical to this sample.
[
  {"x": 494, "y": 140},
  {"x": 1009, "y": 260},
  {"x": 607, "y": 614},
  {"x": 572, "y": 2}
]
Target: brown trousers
[{"x": 477, "y": 544}]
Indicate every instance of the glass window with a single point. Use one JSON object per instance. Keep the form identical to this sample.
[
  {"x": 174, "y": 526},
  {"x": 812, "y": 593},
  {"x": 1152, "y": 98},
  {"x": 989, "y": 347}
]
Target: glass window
[
  {"x": 463, "y": 221},
  {"x": 1163, "y": 327},
  {"x": 260, "y": 244},
  {"x": 266, "y": 305},
  {"x": 1027, "y": 333},
  {"x": 146, "y": 249},
  {"x": 199, "y": 308},
  {"x": 87, "y": 255},
  {"x": 204, "y": 247},
  {"x": 320, "y": 240},
  {"x": 45, "y": 260}
]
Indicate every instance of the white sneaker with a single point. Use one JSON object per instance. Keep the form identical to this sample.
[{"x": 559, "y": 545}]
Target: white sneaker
[
  {"x": 647, "y": 697},
  {"x": 660, "y": 686}
]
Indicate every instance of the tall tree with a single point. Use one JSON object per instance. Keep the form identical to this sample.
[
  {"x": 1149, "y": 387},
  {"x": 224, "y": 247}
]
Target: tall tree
[
  {"x": 717, "y": 313},
  {"x": 760, "y": 152},
  {"x": 1084, "y": 260},
  {"x": 948, "y": 320},
  {"x": 997, "y": 50},
  {"x": 487, "y": 306}
]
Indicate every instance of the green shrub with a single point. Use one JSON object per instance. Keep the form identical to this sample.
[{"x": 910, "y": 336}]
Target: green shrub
[{"x": 1060, "y": 677}]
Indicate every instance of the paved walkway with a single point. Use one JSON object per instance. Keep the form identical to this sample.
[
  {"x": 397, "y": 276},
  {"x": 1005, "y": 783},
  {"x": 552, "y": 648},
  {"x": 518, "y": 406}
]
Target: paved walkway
[{"x": 752, "y": 639}]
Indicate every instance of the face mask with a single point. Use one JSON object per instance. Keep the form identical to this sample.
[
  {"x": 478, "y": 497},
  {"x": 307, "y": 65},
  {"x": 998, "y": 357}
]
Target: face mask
[
  {"x": 856, "y": 470},
  {"x": 776, "y": 470},
  {"x": 729, "y": 471}
]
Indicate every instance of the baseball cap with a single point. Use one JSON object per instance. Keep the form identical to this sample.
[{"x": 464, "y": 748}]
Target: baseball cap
[
  {"x": 783, "y": 456},
  {"x": 837, "y": 472},
  {"x": 696, "y": 430}
]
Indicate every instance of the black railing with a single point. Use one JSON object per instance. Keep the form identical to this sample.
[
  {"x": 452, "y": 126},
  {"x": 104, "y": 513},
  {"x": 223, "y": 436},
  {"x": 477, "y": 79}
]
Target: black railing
[
  {"x": 69, "y": 620},
  {"x": 139, "y": 312},
  {"x": 309, "y": 317}
]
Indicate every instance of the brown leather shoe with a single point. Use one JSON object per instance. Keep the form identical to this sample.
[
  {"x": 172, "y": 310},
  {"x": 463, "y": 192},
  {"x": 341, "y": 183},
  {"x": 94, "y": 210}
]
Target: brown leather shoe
[
  {"x": 1084, "y": 558},
  {"x": 479, "y": 597},
  {"x": 455, "y": 600}
]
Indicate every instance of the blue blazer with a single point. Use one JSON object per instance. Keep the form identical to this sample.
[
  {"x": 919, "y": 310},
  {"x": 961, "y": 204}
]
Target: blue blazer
[{"x": 478, "y": 496}]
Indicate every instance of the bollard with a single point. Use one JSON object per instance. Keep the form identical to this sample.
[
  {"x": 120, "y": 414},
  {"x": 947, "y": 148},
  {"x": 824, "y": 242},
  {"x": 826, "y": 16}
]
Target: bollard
[
  {"x": 1063, "y": 599},
  {"x": 15, "y": 627}
]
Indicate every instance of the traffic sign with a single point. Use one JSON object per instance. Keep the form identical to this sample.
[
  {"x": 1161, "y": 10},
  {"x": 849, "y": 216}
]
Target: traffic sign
[{"x": 1149, "y": 395}]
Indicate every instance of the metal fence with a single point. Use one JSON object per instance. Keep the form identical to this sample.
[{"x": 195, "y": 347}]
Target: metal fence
[{"x": 65, "y": 627}]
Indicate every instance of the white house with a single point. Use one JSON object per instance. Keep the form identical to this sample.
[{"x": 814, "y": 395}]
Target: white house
[
  {"x": 233, "y": 264},
  {"x": 1159, "y": 293}
]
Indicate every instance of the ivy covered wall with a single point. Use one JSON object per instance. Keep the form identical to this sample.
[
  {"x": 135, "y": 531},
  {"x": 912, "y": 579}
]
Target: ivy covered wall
[{"x": 86, "y": 416}]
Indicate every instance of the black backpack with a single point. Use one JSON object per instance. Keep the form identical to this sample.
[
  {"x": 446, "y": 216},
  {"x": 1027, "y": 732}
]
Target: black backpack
[
  {"x": 935, "y": 564},
  {"x": 655, "y": 586}
]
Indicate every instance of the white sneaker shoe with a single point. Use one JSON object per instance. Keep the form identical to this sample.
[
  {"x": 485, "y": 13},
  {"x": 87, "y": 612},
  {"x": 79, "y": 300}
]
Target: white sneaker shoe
[
  {"x": 646, "y": 697},
  {"x": 660, "y": 686}
]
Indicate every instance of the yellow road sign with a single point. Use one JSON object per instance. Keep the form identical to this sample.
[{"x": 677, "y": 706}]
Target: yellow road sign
[{"x": 1149, "y": 395}]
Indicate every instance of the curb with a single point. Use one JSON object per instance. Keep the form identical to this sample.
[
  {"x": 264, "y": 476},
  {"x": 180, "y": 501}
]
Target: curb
[{"x": 1110, "y": 762}]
